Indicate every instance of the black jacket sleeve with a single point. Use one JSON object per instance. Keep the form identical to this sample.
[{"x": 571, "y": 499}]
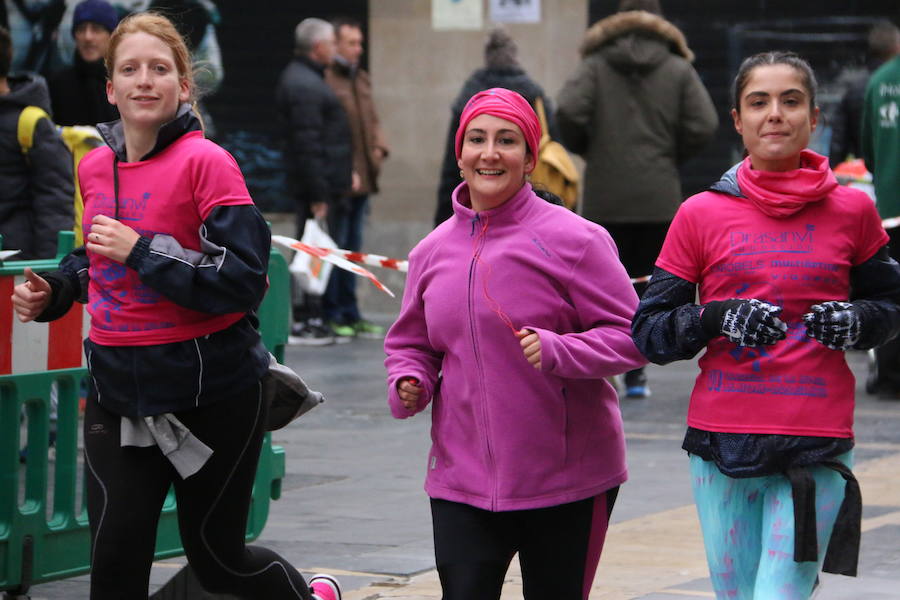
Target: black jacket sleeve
[
  {"x": 52, "y": 188},
  {"x": 667, "y": 326},
  {"x": 875, "y": 291},
  {"x": 228, "y": 275},
  {"x": 68, "y": 285}
]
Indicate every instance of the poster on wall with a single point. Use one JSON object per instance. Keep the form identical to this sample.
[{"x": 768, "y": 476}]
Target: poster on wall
[
  {"x": 457, "y": 14},
  {"x": 515, "y": 11}
]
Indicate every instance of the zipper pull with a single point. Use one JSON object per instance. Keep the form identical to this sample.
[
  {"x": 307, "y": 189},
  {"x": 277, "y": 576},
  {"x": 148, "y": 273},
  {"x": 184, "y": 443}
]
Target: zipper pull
[{"x": 475, "y": 219}]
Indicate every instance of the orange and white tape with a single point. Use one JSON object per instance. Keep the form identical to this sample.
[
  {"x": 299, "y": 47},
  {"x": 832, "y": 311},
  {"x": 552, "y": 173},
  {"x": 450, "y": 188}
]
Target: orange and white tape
[
  {"x": 372, "y": 259},
  {"x": 332, "y": 256}
]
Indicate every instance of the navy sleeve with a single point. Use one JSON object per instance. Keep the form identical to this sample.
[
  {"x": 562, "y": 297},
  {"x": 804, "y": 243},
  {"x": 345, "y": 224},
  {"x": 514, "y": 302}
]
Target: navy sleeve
[
  {"x": 667, "y": 326},
  {"x": 68, "y": 285},
  {"x": 228, "y": 275}
]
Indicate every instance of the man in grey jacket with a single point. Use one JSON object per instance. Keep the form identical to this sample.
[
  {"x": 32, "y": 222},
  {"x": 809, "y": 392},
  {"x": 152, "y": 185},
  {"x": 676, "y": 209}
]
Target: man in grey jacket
[
  {"x": 36, "y": 186},
  {"x": 635, "y": 109}
]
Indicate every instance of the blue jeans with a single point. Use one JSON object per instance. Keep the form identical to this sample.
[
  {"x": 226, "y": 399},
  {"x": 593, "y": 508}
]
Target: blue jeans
[{"x": 345, "y": 225}]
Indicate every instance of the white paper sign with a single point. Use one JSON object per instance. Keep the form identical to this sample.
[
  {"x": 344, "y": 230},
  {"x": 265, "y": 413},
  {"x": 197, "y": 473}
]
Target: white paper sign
[
  {"x": 457, "y": 14},
  {"x": 516, "y": 11}
]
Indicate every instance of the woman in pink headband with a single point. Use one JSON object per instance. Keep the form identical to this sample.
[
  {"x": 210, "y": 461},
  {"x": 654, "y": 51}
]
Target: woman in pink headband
[{"x": 514, "y": 312}]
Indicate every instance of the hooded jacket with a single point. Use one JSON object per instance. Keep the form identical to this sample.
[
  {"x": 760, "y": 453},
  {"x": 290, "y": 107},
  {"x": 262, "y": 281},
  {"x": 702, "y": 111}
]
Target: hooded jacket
[
  {"x": 510, "y": 77},
  {"x": 635, "y": 109},
  {"x": 37, "y": 190},
  {"x": 505, "y": 435},
  {"x": 200, "y": 263}
]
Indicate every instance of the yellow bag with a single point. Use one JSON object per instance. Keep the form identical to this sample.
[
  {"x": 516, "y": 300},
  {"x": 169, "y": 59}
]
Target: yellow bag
[
  {"x": 554, "y": 171},
  {"x": 78, "y": 139}
]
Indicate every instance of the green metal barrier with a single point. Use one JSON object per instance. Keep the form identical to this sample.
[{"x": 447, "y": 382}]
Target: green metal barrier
[{"x": 44, "y": 534}]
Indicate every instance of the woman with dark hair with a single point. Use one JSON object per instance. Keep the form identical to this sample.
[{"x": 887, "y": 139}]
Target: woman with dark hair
[
  {"x": 515, "y": 310},
  {"x": 791, "y": 272}
]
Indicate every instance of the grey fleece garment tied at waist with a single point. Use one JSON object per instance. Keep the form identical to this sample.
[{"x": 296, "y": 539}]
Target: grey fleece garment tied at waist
[{"x": 186, "y": 453}]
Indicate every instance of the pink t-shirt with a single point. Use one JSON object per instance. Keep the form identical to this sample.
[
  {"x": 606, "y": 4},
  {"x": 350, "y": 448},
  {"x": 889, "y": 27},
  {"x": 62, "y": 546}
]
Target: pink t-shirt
[
  {"x": 171, "y": 193},
  {"x": 732, "y": 250}
]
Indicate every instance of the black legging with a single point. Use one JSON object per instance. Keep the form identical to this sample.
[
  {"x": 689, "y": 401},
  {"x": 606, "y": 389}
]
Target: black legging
[
  {"x": 559, "y": 548},
  {"x": 127, "y": 486}
]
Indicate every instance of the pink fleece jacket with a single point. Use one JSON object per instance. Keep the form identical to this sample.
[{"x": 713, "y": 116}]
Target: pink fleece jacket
[{"x": 505, "y": 435}]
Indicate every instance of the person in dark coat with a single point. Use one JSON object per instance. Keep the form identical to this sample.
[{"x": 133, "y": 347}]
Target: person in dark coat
[
  {"x": 501, "y": 69},
  {"x": 78, "y": 92},
  {"x": 846, "y": 124},
  {"x": 635, "y": 109},
  {"x": 318, "y": 153},
  {"x": 353, "y": 86},
  {"x": 36, "y": 188}
]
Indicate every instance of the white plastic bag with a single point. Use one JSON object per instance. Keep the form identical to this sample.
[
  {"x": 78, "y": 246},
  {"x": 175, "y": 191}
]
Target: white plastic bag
[{"x": 311, "y": 272}]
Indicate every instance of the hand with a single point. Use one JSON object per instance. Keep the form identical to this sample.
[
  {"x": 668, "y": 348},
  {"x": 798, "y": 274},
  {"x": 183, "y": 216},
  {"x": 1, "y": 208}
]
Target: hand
[
  {"x": 356, "y": 182},
  {"x": 747, "y": 323},
  {"x": 29, "y": 299},
  {"x": 319, "y": 210},
  {"x": 111, "y": 238},
  {"x": 409, "y": 390},
  {"x": 531, "y": 347},
  {"x": 836, "y": 325}
]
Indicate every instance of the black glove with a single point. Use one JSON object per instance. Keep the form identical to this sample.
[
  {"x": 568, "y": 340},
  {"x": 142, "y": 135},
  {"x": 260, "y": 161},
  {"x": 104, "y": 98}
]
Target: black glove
[
  {"x": 837, "y": 325},
  {"x": 749, "y": 322}
]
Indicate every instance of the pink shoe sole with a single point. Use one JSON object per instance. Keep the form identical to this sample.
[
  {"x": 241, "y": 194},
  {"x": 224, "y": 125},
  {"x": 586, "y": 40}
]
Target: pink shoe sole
[{"x": 325, "y": 587}]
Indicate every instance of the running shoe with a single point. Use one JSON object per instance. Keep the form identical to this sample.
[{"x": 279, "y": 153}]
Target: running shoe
[
  {"x": 636, "y": 384},
  {"x": 312, "y": 332},
  {"x": 325, "y": 587},
  {"x": 342, "y": 333},
  {"x": 368, "y": 329}
]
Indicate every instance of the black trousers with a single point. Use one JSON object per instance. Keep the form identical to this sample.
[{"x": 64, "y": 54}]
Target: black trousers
[
  {"x": 559, "y": 548},
  {"x": 127, "y": 486}
]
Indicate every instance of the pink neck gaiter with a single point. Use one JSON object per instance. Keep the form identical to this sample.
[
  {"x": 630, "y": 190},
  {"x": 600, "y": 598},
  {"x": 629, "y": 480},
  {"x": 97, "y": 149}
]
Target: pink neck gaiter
[{"x": 780, "y": 194}]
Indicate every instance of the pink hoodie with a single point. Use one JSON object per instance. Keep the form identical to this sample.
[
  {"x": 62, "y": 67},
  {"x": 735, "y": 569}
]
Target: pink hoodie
[{"x": 505, "y": 435}]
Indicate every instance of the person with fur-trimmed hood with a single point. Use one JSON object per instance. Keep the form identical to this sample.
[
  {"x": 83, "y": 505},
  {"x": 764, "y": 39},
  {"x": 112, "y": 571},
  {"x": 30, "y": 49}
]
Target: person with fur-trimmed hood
[{"x": 635, "y": 109}]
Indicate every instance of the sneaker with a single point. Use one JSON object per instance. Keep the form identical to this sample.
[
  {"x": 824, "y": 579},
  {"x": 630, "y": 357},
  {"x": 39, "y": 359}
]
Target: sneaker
[
  {"x": 368, "y": 329},
  {"x": 636, "y": 384},
  {"x": 312, "y": 332},
  {"x": 637, "y": 391},
  {"x": 324, "y": 587},
  {"x": 343, "y": 333}
]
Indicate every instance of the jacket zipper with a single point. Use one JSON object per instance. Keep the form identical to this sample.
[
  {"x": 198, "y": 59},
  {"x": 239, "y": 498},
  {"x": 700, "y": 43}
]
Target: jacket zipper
[{"x": 484, "y": 405}]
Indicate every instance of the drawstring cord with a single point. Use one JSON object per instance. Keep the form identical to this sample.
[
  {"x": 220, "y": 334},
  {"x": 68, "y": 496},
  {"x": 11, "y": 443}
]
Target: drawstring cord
[
  {"x": 116, "y": 183},
  {"x": 491, "y": 302}
]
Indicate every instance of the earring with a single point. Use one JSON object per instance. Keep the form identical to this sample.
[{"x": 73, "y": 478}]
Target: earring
[{"x": 462, "y": 175}]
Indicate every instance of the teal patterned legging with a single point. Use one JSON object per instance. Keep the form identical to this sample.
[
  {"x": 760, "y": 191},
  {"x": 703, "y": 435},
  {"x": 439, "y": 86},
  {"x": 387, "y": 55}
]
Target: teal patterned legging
[{"x": 748, "y": 531}]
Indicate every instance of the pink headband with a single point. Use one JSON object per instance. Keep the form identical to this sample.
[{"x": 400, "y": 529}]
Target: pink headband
[{"x": 505, "y": 104}]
